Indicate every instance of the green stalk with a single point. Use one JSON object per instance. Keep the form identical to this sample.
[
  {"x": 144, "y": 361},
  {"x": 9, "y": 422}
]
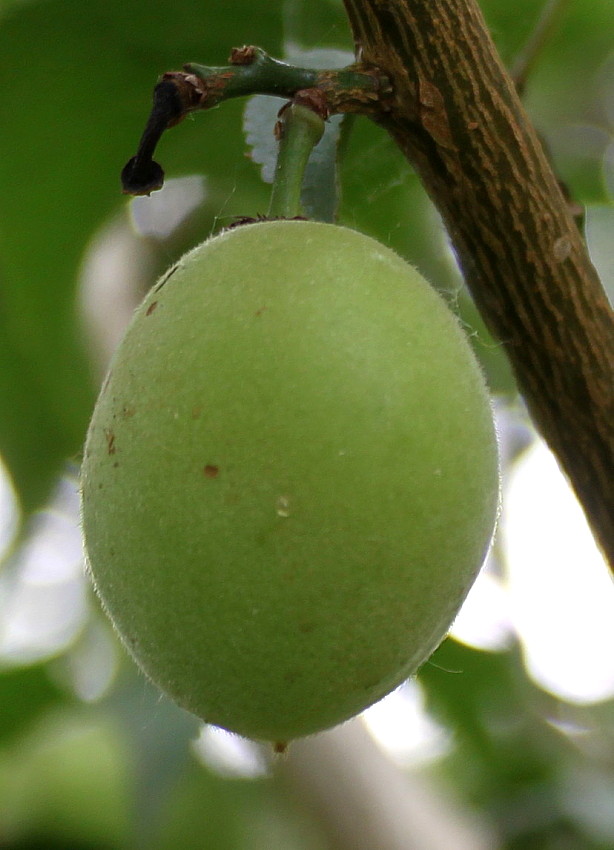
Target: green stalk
[
  {"x": 355, "y": 89},
  {"x": 300, "y": 129}
]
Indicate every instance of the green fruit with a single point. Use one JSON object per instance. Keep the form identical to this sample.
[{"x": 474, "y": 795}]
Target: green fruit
[{"x": 290, "y": 479}]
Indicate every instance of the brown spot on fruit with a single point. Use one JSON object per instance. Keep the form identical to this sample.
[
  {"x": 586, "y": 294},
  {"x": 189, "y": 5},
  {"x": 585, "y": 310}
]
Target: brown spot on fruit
[
  {"x": 110, "y": 438},
  {"x": 151, "y": 308},
  {"x": 211, "y": 471}
]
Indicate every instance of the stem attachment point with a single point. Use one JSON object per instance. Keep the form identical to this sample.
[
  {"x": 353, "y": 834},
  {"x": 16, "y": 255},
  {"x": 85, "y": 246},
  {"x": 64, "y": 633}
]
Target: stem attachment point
[{"x": 299, "y": 128}]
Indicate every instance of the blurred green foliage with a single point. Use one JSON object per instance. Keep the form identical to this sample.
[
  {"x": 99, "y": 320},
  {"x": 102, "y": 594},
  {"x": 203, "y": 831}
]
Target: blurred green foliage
[{"x": 75, "y": 83}]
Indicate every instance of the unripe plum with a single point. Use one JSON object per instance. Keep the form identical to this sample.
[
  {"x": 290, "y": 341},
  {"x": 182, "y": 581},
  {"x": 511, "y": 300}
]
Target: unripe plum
[{"x": 290, "y": 479}]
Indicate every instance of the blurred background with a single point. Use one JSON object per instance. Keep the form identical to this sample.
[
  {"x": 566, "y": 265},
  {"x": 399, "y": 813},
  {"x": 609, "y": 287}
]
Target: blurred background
[{"x": 506, "y": 737}]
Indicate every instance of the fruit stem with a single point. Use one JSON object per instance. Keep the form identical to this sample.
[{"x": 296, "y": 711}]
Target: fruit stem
[
  {"x": 299, "y": 129},
  {"x": 357, "y": 88}
]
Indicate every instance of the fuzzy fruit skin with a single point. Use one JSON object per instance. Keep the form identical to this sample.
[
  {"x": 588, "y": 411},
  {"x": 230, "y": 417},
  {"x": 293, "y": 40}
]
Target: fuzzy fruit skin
[{"x": 290, "y": 479}]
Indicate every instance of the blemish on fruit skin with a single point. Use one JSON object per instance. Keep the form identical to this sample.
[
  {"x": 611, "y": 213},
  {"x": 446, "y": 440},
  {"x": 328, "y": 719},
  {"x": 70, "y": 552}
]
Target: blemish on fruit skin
[
  {"x": 128, "y": 411},
  {"x": 211, "y": 471},
  {"x": 166, "y": 277},
  {"x": 280, "y": 747},
  {"x": 282, "y": 506},
  {"x": 197, "y": 411},
  {"x": 110, "y": 438},
  {"x": 151, "y": 308},
  {"x": 260, "y": 311}
]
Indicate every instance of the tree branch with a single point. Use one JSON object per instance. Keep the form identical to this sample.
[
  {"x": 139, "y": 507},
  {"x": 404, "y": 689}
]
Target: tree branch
[
  {"x": 458, "y": 119},
  {"x": 365, "y": 802}
]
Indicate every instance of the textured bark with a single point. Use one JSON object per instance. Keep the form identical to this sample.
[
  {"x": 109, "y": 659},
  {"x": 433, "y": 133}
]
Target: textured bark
[{"x": 458, "y": 119}]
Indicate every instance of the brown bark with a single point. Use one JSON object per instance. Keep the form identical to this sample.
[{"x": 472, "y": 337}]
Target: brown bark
[{"x": 458, "y": 119}]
